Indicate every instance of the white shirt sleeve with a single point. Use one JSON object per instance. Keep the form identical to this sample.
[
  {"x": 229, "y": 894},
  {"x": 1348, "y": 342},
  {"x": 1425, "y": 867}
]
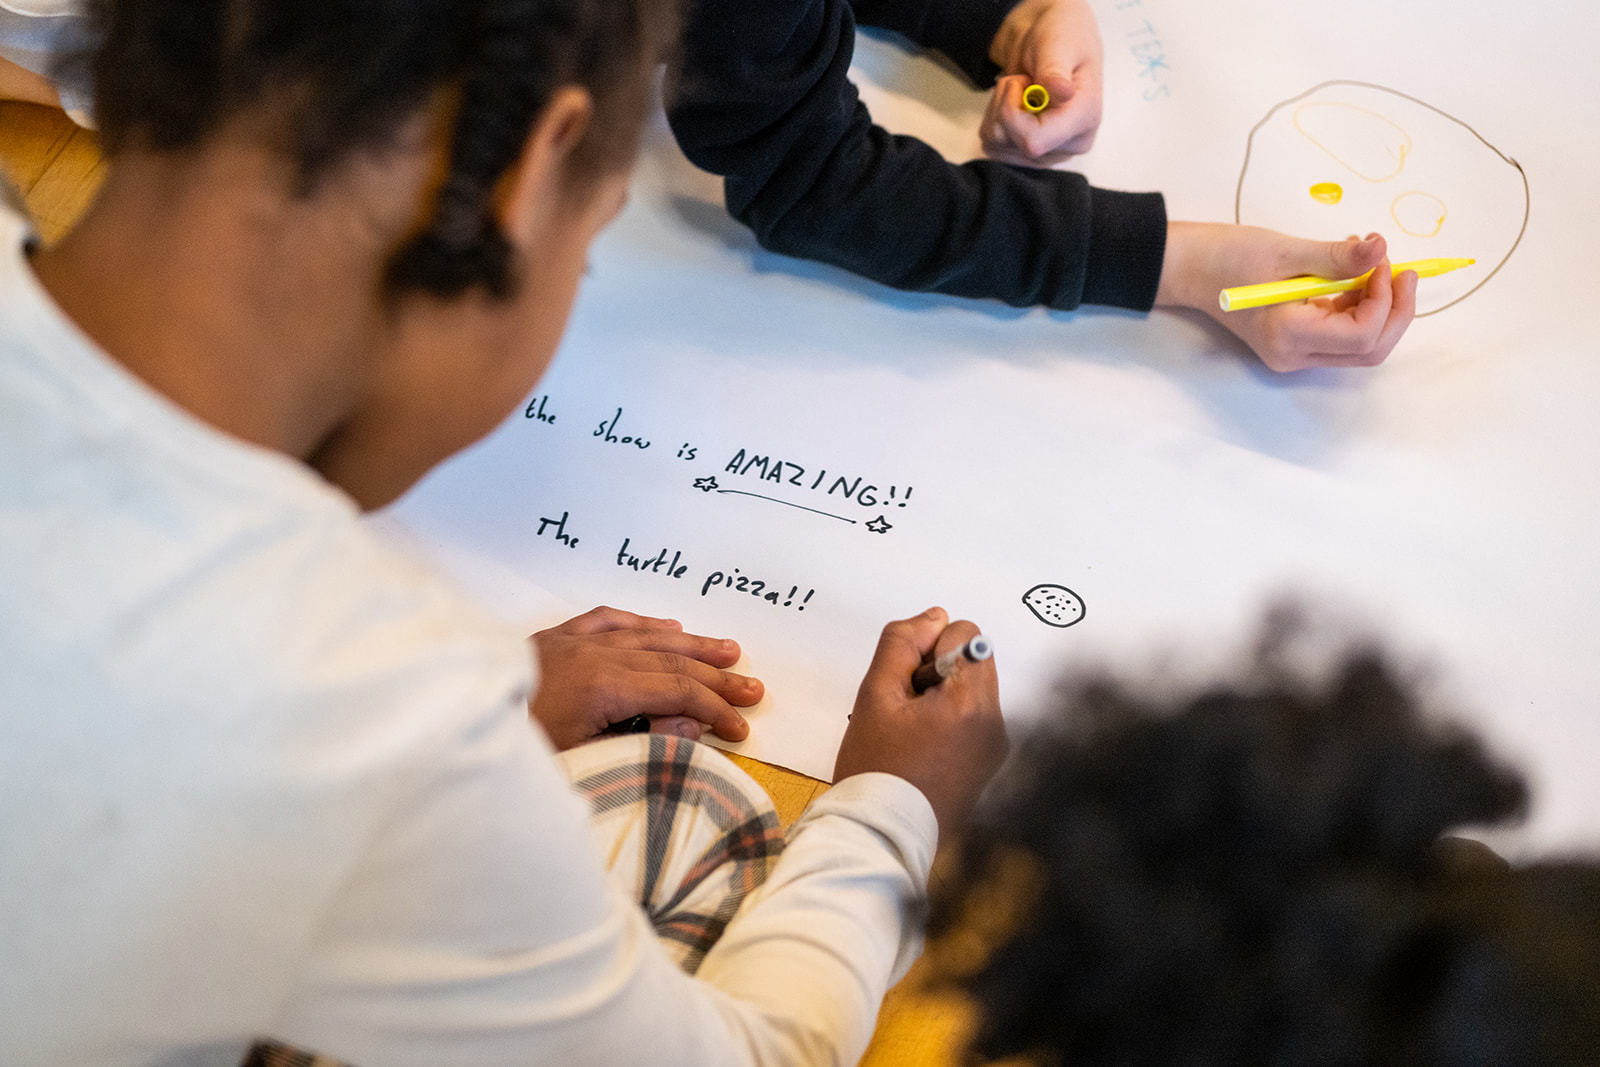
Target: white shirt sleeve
[
  {"x": 260, "y": 776},
  {"x": 481, "y": 929},
  {"x": 810, "y": 956},
  {"x": 34, "y": 34}
]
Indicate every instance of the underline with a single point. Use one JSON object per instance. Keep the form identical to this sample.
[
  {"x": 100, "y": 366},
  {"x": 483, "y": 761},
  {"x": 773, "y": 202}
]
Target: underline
[{"x": 790, "y": 504}]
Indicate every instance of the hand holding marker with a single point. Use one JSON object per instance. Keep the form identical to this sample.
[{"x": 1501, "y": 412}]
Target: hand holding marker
[
  {"x": 938, "y": 669},
  {"x": 1239, "y": 297}
]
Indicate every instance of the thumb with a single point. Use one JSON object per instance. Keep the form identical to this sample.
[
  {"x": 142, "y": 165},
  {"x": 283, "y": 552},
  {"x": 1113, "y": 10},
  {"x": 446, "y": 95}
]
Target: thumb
[
  {"x": 903, "y": 645},
  {"x": 1058, "y": 83},
  {"x": 678, "y": 725},
  {"x": 1344, "y": 259}
]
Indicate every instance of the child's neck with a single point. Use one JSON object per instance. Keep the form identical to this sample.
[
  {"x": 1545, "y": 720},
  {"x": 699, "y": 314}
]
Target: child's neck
[{"x": 230, "y": 297}]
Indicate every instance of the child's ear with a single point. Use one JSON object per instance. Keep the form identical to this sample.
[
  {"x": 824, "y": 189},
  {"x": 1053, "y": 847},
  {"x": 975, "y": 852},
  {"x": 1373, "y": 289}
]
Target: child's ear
[{"x": 529, "y": 189}]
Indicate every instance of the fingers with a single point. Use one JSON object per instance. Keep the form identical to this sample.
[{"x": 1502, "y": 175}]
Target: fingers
[
  {"x": 1351, "y": 332},
  {"x": 606, "y": 666},
  {"x": 716, "y": 651},
  {"x": 1402, "y": 309},
  {"x": 1071, "y": 121},
  {"x": 1006, "y": 98},
  {"x": 1359, "y": 329},
  {"x": 1066, "y": 127},
  {"x": 1061, "y": 84},
  {"x": 954, "y": 636},
  {"x": 613, "y": 628},
  {"x": 983, "y": 673},
  {"x": 904, "y": 644},
  {"x": 1079, "y": 144},
  {"x": 740, "y": 690},
  {"x": 672, "y": 686},
  {"x": 604, "y": 619}
]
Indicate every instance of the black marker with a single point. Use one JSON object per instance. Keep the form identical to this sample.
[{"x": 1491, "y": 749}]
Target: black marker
[
  {"x": 638, "y": 724},
  {"x": 935, "y": 671}
]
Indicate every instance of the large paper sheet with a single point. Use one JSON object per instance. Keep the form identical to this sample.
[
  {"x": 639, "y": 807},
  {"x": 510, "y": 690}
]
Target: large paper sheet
[{"x": 779, "y": 452}]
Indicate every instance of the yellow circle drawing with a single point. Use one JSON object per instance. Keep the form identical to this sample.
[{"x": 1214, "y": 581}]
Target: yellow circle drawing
[
  {"x": 1419, "y": 214},
  {"x": 1036, "y": 98},
  {"x": 1368, "y": 144},
  {"x": 1327, "y": 192}
]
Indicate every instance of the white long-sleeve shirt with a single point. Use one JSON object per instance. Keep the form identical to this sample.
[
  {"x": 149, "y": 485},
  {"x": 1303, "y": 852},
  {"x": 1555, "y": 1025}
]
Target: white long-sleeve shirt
[
  {"x": 260, "y": 775},
  {"x": 35, "y": 33}
]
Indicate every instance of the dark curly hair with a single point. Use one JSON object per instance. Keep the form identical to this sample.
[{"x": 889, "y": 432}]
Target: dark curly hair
[
  {"x": 1254, "y": 875},
  {"x": 336, "y": 77}
]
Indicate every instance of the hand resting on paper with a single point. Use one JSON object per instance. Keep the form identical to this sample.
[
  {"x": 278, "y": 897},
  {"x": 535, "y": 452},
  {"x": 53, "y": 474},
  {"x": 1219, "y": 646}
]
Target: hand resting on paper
[
  {"x": 1055, "y": 43},
  {"x": 1355, "y": 329},
  {"x": 608, "y": 665},
  {"x": 948, "y": 740}
]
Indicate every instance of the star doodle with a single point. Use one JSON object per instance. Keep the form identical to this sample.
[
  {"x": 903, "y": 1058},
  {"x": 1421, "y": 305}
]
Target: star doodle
[
  {"x": 880, "y": 525},
  {"x": 706, "y": 484}
]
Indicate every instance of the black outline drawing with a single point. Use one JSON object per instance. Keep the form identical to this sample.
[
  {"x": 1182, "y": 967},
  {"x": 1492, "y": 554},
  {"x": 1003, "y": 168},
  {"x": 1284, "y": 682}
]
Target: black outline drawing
[
  {"x": 1083, "y": 608},
  {"x": 1527, "y": 199}
]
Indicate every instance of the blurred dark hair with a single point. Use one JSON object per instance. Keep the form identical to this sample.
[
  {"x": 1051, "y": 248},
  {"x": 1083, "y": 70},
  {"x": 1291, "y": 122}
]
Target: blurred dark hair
[
  {"x": 336, "y": 77},
  {"x": 1253, "y": 874}
]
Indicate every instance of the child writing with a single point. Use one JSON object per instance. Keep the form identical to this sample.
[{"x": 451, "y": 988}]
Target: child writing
[{"x": 264, "y": 778}]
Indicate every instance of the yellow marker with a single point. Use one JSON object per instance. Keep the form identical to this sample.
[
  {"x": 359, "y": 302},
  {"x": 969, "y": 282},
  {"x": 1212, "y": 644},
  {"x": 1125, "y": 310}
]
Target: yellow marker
[
  {"x": 1240, "y": 297},
  {"x": 1036, "y": 98}
]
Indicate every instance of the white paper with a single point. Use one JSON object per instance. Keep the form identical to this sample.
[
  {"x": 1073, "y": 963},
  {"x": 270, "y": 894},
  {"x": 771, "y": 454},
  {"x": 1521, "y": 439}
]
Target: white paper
[{"x": 720, "y": 416}]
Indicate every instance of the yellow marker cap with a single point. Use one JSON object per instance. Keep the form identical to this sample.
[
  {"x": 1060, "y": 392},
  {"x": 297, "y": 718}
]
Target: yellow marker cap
[{"x": 1036, "y": 98}]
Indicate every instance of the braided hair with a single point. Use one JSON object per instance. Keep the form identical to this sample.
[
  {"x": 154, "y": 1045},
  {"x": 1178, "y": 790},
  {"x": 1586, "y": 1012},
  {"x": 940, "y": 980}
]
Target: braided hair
[{"x": 339, "y": 77}]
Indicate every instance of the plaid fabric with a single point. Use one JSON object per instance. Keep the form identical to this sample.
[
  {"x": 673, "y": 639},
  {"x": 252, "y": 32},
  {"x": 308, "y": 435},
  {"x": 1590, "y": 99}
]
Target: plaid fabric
[
  {"x": 690, "y": 835},
  {"x": 686, "y": 834}
]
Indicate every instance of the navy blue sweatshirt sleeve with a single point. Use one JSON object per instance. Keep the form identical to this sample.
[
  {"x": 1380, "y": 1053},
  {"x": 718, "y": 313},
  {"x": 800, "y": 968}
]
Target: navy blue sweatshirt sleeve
[
  {"x": 961, "y": 29},
  {"x": 762, "y": 96}
]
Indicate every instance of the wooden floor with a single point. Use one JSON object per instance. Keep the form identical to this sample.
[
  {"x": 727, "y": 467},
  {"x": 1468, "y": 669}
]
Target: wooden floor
[
  {"x": 54, "y": 164},
  {"x": 57, "y": 167}
]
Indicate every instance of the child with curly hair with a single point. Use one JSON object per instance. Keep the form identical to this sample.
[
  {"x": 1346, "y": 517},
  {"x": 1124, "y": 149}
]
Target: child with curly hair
[{"x": 1257, "y": 874}]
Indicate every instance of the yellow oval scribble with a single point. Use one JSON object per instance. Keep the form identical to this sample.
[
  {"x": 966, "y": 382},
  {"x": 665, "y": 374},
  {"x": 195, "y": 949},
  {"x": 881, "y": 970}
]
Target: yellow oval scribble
[
  {"x": 1418, "y": 214},
  {"x": 1327, "y": 192},
  {"x": 1368, "y": 144}
]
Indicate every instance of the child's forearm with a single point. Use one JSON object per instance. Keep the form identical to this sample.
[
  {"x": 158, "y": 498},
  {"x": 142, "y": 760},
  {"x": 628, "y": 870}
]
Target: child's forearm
[{"x": 20, "y": 83}]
